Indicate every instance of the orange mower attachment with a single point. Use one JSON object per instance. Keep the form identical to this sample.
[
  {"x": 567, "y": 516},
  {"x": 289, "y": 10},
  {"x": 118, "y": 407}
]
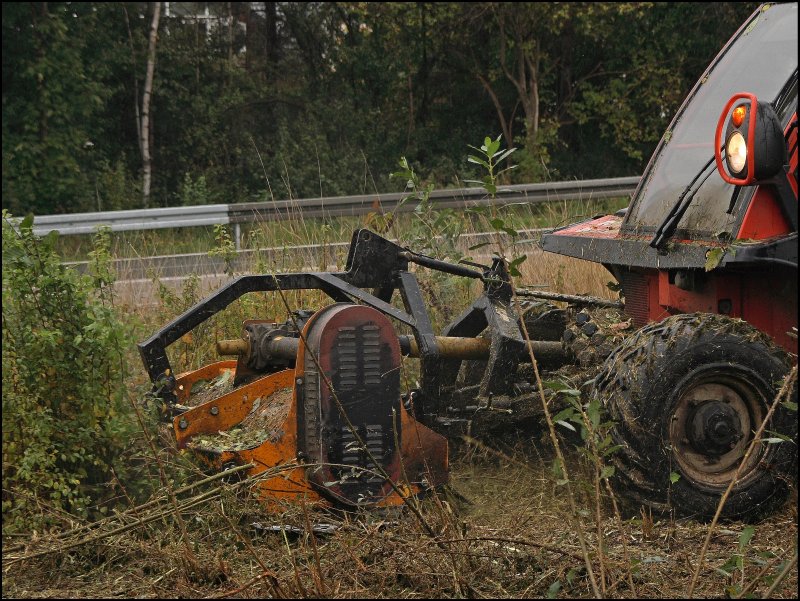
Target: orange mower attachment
[{"x": 336, "y": 421}]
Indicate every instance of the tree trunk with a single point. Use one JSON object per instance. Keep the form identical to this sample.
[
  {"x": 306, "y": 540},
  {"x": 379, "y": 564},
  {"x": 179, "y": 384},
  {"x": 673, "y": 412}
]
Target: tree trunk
[
  {"x": 529, "y": 72},
  {"x": 230, "y": 34},
  {"x": 505, "y": 124},
  {"x": 135, "y": 81},
  {"x": 526, "y": 61},
  {"x": 148, "y": 88}
]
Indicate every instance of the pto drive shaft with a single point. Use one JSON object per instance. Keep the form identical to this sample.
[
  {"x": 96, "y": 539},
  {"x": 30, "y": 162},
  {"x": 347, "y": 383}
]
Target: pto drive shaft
[{"x": 451, "y": 347}]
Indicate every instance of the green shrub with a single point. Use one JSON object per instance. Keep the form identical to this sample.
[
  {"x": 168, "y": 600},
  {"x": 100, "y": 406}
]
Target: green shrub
[{"x": 65, "y": 417}]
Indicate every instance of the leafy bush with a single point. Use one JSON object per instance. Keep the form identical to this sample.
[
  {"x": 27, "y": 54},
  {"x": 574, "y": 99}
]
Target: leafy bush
[{"x": 64, "y": 418}]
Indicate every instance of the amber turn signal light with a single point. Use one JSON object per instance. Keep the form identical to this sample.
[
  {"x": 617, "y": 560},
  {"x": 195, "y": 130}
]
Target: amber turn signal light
[{"x": 738, "y": 115}]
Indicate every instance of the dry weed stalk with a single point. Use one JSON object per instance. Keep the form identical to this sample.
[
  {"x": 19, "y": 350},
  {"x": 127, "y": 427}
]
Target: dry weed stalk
[
  {"x": 266, "y": 572},
  {"x": 598, "y": 470},
  {"x": 134, "y": 518},
  {"x": 574, "y": 515}
]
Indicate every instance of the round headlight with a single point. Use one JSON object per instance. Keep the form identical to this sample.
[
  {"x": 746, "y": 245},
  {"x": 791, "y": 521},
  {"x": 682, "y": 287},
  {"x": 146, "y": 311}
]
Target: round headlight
[{"x": 736, "y": 151}]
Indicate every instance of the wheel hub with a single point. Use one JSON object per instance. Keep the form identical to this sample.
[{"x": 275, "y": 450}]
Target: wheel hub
[
  {"x": 710, "y": 428},
  {"x": 714, "y": 427}
]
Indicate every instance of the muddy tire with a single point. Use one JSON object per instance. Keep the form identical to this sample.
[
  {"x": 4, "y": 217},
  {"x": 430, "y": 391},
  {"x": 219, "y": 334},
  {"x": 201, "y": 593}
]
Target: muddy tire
[{"x": 686, "y": 395}]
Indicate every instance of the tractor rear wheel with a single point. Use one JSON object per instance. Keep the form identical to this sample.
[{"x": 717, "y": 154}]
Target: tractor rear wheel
[{"x": 686, "y": 395}]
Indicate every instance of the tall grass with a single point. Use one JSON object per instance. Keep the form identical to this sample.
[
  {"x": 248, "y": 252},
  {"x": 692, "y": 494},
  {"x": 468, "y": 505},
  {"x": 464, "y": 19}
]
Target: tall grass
[{"x": 299, "y": 230}]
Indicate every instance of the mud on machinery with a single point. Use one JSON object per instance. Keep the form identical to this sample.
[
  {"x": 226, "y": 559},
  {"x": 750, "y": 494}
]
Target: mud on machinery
[{"x": 706, "y": 256}]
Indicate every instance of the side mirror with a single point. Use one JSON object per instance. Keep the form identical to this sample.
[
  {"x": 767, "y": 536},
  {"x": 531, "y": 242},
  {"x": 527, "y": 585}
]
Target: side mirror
[{"x": 754, "y": 147}]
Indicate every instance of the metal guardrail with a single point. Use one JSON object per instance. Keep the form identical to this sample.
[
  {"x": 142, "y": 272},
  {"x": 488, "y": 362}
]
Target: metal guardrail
[
  {"x": 593, "y": 189},
  {"x": 236, "y": 214},
  {"x": 138, "y": 219},
  {"x": 279, "y": 258}
]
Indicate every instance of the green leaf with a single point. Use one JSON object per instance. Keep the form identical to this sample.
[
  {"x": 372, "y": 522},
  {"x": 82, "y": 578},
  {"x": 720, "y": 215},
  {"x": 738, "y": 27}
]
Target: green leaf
[
  {"x": 730, "y": 565},
  {"x": 607, "y": 472},
  {"x": 492, "y": 146},
  {"x": 568, "y": 413},
  {"x": 713, "y": 258},
  {"x": 723, "y": 572},
  {"x": 571, "y": 575},
  {"x": 552, "y": 590},
  {"x": 593, "y": 411},
  {"x": 512, "y": 266},
  {"x": 746, "y": 535},
  {"x": 501, "y": 172},
  {"x": 477, "y": 161},
  {"x": 567, "y": 425},
  {"x": 505, "y": 154},
  {"x": 611, "y": 449},
  {"x": 50, "y": 239},
  {"x": 674, "y": 477},
  {"x": 559, "y": 386}
]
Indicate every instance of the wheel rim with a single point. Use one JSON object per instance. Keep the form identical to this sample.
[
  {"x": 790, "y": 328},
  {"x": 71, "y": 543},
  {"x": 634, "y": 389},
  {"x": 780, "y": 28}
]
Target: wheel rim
[{"x": 712, "y": 426}]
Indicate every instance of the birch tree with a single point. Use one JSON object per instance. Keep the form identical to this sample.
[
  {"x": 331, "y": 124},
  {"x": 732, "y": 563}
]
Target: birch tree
[{"x": 147, "y": 164}]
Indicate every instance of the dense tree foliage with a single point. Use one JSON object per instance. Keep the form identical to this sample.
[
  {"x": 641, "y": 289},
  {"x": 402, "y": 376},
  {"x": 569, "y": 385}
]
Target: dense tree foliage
[{"x": 253, "y": 101}]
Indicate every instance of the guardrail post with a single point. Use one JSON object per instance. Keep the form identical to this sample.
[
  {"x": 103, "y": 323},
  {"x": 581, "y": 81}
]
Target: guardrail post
[{"x": 237, "y": 236}]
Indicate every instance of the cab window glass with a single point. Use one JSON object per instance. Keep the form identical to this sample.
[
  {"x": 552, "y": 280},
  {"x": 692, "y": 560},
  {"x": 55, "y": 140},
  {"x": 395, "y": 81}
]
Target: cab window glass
[{"x": 760, "y": 61}]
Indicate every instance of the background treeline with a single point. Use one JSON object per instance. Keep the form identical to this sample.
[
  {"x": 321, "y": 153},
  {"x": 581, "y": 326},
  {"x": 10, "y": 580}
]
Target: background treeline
[{"x": 252, "y": 101}]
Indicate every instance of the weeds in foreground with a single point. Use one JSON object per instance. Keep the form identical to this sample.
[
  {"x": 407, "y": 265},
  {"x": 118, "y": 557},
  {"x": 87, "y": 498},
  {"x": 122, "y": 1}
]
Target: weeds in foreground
[
  {"x": 501, "y": 522},
  {"x": 65, "y": 423}
]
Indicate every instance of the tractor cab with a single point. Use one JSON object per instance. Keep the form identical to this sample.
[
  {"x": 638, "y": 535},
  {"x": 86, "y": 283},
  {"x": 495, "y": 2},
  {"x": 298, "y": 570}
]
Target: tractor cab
[{"x": 712, "y": 226}]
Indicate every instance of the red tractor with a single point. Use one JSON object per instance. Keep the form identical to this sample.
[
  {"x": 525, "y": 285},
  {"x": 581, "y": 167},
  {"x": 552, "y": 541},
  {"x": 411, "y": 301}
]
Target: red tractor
[
  {"x": 709, "y": 240},
  {"x": 706, "y": 255}
]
